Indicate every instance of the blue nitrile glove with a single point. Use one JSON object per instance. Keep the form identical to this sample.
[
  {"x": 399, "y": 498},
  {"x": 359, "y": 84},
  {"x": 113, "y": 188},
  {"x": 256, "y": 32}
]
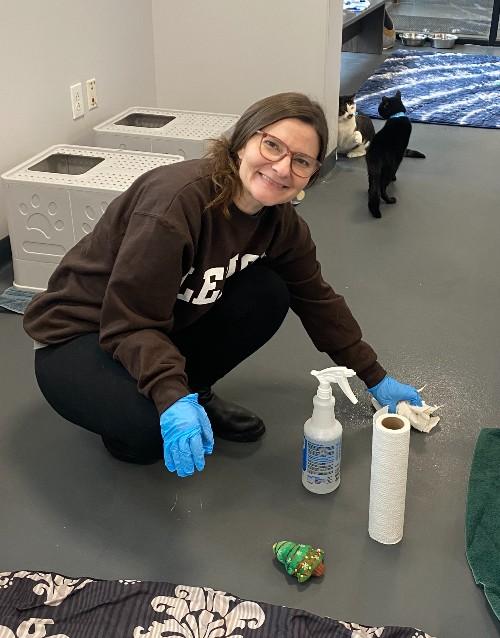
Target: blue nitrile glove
[
  {"x": 390, "y": 392},
  {"x": 187, "y": 436}
]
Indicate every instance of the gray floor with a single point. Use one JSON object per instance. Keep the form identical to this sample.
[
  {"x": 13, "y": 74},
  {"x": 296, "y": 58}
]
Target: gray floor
[{"x": 423, "y": 282}]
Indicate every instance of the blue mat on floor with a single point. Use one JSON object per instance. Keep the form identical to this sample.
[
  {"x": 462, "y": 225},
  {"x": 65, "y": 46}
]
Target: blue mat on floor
[
  {"x": 438, "y": 88},
  {"x": 16, "y": 300}
]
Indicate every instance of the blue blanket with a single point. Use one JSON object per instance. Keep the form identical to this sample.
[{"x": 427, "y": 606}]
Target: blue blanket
[
  {"x": 438, "y": 88},
  {"x": 16, "y": 300}
]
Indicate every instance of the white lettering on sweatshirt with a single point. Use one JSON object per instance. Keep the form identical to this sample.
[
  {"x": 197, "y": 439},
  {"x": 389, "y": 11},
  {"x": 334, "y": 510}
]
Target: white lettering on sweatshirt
[{"x": 210, "y": 292}]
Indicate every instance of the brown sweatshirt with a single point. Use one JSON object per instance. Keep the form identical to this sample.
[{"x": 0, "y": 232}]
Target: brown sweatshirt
[{"x": 156, "y": 262}]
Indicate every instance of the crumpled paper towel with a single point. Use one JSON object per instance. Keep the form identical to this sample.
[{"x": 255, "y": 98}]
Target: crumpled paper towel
[{"x": 420, "y": 418}]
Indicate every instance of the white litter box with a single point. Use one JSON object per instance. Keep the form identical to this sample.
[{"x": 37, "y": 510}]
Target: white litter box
[
  {"x": 183, "y": 133},
  {"x": 55, "y": 198}
]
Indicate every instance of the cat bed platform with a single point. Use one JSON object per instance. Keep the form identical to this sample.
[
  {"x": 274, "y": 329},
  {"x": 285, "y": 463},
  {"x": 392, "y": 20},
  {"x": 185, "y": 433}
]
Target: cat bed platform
[
  {"x": 184, "y": 133},
  {"x": 56, "y": 198}
]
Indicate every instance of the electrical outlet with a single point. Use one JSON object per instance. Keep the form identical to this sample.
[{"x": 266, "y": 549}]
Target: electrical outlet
[
  {"x": 77, "y": 100},
  {"x": 91, "y": 94}
]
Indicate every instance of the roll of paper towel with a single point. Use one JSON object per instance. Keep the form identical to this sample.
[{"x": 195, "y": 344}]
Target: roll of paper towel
[{"x": 390, "y": 448}]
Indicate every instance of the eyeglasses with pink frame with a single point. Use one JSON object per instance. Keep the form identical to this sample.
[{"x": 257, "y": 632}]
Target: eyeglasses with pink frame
[{"x": 273, "y": 149}]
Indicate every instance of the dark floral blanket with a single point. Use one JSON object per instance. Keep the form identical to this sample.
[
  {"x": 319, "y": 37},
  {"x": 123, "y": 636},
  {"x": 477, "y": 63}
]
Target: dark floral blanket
[{"x": 37, "y": 604}]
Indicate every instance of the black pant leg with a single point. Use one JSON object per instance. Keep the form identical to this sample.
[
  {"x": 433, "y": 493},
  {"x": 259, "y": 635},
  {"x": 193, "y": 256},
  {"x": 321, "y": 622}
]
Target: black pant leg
[
  {"x": 252, "y": 307},
  {"x": 86, "y": 386}
]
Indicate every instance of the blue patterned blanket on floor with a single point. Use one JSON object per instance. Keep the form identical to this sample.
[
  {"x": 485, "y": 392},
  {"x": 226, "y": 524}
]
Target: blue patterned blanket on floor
[
  {"x": 439, "y": 88},
  {"x": 40, "y": 604},
  {"x": 16, "y": 300}
]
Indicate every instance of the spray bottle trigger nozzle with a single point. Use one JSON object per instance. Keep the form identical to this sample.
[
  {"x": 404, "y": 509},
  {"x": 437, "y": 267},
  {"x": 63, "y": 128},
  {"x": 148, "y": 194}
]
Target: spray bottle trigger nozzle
[{"x": 339, "y": 375}]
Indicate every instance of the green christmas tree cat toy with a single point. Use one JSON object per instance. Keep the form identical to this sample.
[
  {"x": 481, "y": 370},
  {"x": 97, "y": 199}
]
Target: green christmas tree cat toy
[{"x": 299, "y": 560}]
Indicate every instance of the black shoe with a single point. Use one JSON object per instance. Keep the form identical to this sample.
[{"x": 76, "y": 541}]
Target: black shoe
[{"x": 230, "y": 421}]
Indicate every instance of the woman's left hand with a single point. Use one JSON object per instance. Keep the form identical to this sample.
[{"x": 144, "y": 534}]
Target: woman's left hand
[{"x": 390, "y": 392}]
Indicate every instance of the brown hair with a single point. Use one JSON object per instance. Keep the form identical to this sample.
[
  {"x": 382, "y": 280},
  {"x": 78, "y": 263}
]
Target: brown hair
[{"x": 223, "y": 152}]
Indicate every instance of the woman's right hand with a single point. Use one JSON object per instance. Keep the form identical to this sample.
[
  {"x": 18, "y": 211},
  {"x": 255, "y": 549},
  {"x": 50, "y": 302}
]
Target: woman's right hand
[
  {"x": 187, "y": 436},
  {"x": 390, "y": 392}
]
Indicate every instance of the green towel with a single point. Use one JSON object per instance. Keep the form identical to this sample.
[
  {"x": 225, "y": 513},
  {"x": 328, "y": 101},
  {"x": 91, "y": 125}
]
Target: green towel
[{"x": 482, "y": 533}]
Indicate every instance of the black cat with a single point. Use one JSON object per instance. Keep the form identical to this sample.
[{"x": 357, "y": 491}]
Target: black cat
[{"x": 386, "y": 151}]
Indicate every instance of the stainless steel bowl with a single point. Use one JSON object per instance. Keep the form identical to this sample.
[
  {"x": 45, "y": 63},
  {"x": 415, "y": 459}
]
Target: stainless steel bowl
[
  {"x": 442, "y": 40},
  {"x": 412, "y": 39}
]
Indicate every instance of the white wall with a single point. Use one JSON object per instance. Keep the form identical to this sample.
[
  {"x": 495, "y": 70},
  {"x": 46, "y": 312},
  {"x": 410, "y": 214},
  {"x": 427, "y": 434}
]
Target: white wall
[
  {"x": 333, "y": 53},
  {"x": 219, "y": 55},
  {"x": 222, "y": 55},
  {"x": 45, "y": 46}
]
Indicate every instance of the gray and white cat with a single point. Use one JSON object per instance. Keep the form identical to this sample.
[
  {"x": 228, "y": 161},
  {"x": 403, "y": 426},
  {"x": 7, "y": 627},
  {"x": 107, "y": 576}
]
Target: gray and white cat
[{"x": 355, "y": 131}]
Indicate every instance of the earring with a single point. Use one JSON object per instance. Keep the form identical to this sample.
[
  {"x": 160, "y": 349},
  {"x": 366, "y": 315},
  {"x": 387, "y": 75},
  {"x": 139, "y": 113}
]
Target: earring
[{"x": 300, "y": 196}]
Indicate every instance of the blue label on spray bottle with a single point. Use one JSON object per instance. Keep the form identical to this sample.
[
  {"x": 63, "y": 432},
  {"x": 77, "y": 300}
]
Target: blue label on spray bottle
[{"x": 321, "y": 462}]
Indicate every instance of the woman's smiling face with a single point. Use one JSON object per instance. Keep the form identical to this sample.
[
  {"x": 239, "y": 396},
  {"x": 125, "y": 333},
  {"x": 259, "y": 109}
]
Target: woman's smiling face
[{"x": 267, "y": 183}]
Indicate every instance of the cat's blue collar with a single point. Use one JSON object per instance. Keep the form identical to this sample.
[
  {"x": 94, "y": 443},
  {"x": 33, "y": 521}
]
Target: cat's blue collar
[{"x": 400, "y": 114}]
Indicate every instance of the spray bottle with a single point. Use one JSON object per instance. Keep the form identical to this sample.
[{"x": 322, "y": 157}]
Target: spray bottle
[{"x": 323, "y": 433}]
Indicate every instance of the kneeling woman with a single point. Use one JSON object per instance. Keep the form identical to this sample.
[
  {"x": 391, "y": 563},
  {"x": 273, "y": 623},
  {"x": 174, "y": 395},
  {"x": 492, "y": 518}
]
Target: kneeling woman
[{"x": 189, "y": 272}]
